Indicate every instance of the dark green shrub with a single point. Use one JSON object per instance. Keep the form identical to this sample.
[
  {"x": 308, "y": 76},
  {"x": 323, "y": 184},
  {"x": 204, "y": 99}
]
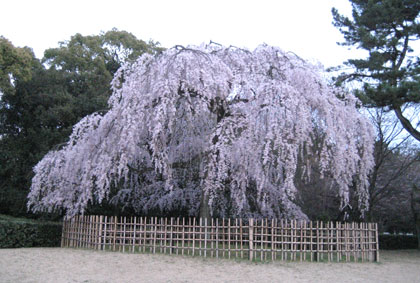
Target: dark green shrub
[
  {"x": 19, "y": 232},
  {"x": 397, "y": 242}
]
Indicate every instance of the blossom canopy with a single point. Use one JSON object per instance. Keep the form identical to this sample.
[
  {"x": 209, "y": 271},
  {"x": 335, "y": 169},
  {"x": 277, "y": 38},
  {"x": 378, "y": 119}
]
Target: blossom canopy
[{"x": 211, "y": 125}]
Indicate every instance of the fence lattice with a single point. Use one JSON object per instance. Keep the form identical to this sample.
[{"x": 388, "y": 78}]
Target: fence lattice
[{"x": 254, "y": 239}]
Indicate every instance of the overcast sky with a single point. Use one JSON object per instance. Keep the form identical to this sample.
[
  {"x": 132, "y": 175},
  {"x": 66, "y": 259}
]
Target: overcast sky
[{"x": 301, "y": 26}]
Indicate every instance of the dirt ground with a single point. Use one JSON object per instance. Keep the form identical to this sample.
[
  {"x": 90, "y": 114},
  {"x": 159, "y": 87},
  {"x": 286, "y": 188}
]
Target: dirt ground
[{"x": 72, "y": 265}]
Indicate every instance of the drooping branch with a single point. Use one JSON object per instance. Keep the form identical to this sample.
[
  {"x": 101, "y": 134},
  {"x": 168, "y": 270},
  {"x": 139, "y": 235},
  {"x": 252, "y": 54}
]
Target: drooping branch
[
  {"x": 406, "y": 123},
  {"x": 214, "y": 124}
]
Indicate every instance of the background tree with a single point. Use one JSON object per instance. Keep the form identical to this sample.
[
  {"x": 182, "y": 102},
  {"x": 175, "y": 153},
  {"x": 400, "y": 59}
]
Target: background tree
[
  {"x": 38, "y": 115},
  {"x": 397, "y": 163},
  {"x": 15, "y": 63},
  {"x": 86, "y": 65},
  {"x": 222, "y": 128},
  {"x": 396, "y": 169},
  {"x": 386, "y": 29}
]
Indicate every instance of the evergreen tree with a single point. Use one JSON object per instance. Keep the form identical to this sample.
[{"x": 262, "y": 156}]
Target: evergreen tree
[
  {"x": 42, "y": 100},
  {"x": 386, "y": 29}
]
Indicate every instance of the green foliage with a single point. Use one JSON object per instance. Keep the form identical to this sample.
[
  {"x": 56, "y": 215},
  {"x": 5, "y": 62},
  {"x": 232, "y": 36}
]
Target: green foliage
[
  {"x": 19, "y": 232},
  {"x": 15, "y": 63},
  {"x": 397, "y": 242},
  {"x": 390, "y": 73},
  {"x": 49, "y": 97}
]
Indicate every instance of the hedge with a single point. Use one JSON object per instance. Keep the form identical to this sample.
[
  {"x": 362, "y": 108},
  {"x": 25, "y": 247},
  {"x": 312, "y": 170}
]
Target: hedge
[
  {"x": 397, "y": 242},
  {"x": 20, "y": 232}
]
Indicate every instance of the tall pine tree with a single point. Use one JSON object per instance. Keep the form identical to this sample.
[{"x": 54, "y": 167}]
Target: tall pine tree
[{"x": 386, "y": 29}]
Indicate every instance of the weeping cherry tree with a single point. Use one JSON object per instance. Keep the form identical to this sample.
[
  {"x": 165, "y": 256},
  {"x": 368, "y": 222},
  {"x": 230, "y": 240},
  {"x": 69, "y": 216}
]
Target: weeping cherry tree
[{"x": 214, "y": 131}]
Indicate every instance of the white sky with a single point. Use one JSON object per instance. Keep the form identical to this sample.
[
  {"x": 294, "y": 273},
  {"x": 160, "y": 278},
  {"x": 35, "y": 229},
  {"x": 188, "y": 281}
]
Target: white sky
[{"x": 301, "y": 26}]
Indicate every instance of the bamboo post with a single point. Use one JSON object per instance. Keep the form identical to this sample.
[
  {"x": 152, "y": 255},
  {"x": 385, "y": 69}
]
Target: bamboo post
[
  {"x": 236, "y": 238},
  {"x": 70, "y": 229},
  {"x": 95, "y": 228},
  {"x": 183, "y": 236},
  {"x": 282, "y": 238},
  {"x": 346, "y": 241},
  {"x": 84, "y": 234},
  {"x": 171, "y": 236},
  {"x": 328, "y": 241},
  {"x": 193, "y": 236},
  {"x": 105, "y": 232},
  {"x": 94, "y": 232},
  {"x": 259, "y": 232},
  {"x": 134, "y": 221},
  {"x": 229, "y": 236},
  {"x": 272, "y": 233},
  {"x": 78, "y": 231},
  {"x": 200, "y": 235},
  {"x": 188, "y": 241},
  {"x": 301, "y": 241},
  {"x": 211, "y": 237},
  {"x": 263, "y": 239},
  {"x": 355, "y": 248},
  {"x": 84, "y": 231},
  {"x": 250, "y": 233},
  {"x": 73, "y": 230},
  {"x": 322, "y": 240},
  {"x": 114, "y": 235},
  {"x": 205, "y": 236},
  {"x": 361, "y": 240},
  {"x": 122, "y": 240},
  {"x": 223, "y": 235},
  {"x": 241, "y": 238},
  {"x": 216, "y": 237},
  {"x": 338, "y": 236},
  {"x": 318, "y": 241},
  {"x": 99, "y": 232},
  {"x": 377, "y": 242},
  {"x": 89, "y": 231},
  {"x": 81, "y": 222},
  {"x": 165, "y": 239},
  {"x": 154, "y": 229},
  {"x": 294, "y": 241},
  {"x": 311, "y": 241},
  {"x": 288, "y": 239},
  {"x": 144, "y": 234},
  {"x": 160, "y": 234},
  {"x": 177, "y": 235}
]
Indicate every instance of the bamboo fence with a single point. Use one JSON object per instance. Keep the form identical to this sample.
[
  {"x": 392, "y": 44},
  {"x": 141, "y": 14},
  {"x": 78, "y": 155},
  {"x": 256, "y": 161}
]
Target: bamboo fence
[{"x": 253, "y": 239}]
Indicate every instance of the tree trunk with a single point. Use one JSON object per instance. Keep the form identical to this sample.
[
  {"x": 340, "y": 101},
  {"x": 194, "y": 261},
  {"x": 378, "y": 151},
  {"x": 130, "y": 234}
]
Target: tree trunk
[
  {"x": 406, "y": 124},
  {"x": 415, "y": 206},
  {"x": 204, "y": 206}
]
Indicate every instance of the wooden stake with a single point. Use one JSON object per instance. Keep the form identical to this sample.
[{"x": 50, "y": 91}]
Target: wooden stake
[{"x": 250, "y": 233}]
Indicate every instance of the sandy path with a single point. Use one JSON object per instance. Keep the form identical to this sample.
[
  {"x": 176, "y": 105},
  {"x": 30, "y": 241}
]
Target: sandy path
[{"x": 71, "y": 265}]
